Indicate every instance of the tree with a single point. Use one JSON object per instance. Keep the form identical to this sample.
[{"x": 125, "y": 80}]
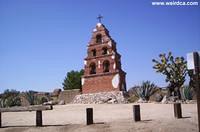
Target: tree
[
  {"x": 73, "y": 80},
  {"x": 145, "y": 91},
  {"x": 175, "y": 70},
  {"x": 10, "y": 98}
]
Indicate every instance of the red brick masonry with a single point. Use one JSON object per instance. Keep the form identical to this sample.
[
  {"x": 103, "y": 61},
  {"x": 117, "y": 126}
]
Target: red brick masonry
[{"x": 102, "y": 81}]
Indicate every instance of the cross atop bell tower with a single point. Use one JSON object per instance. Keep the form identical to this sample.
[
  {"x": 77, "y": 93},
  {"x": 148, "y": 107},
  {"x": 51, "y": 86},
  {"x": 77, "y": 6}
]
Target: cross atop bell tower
[{"x": 99, "y": 18}]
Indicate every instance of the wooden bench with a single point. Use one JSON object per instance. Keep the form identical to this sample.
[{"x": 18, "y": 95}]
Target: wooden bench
[{"x": 37, "y": 108}]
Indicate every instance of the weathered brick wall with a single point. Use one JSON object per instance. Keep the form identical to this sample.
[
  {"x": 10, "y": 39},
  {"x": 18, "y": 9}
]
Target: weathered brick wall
[
  {"x": 103, "y": 83},
  {"x": 97, "y": 83},
  {"x": 68, "y": 95}
]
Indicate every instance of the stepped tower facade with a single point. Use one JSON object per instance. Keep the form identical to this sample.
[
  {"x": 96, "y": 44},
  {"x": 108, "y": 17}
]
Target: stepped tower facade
[{"x": 102, "y": 65}]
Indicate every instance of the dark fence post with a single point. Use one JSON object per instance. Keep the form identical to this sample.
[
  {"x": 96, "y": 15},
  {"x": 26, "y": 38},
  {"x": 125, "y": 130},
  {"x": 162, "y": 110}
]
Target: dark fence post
[
  {"x": 38, "y": 118},
  {"x": 136, "y": 113},
  {"x": 177, "y": 110},
  {"x": 89, "y": 116},
  {"x": 0, "y": 120}
]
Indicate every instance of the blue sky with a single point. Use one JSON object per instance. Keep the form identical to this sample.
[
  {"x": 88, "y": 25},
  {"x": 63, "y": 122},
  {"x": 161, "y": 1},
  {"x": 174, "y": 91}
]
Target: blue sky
[{"x": 41, "y": 40}]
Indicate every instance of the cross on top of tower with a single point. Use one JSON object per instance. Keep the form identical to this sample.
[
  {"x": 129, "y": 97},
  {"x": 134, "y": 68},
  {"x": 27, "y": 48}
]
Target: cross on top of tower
[{"x": 99, "y": 18}]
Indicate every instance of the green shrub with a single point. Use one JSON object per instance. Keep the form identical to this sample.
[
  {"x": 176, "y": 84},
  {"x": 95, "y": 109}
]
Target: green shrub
[{"x": 10, "y": 98}]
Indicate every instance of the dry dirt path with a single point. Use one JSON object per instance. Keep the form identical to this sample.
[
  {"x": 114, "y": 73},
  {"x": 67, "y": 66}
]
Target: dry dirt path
[{"x": 107, "y": 118}]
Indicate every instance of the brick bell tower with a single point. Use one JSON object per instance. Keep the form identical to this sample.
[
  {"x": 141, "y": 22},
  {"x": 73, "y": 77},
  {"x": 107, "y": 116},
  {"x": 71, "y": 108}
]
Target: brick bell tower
[{"x": 102, "y": 66}]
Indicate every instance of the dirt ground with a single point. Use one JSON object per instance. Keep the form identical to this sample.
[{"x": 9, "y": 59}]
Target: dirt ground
[{"x": 107, "y": 118}]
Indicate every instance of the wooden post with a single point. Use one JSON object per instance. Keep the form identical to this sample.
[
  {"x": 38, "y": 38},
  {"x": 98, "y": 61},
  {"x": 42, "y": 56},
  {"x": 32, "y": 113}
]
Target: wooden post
[
  {"x": 197, "y": 82},
  {"x": 136, "y": 113},
  {"x": 0, "y": 120},
  {"x": 39, "y": 118},
  {"x": 89, "y": 116},
  {"x": 198, "y": 98},
  {"x": 193, "y": 64},
  {"x": 177, "y": 110}
]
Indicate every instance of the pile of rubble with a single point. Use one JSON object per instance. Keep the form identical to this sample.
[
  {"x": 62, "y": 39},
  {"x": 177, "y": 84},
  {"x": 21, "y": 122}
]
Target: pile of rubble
[{"x": 113, "y": 97}]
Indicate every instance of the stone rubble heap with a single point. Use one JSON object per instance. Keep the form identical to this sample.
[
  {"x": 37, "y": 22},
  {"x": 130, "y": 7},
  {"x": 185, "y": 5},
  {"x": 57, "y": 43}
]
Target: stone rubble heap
[
  {"x": 174, "y": 99},
  {"x": 114, "y": 97}
]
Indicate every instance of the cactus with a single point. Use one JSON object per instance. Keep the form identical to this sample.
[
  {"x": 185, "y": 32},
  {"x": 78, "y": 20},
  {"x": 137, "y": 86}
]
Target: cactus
[
  {"x": 174, "y": 69},
  {"x": 31, "y": 97},
  {"x": 187, "y": 93},
  {"x": 146, "y": 90}
]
